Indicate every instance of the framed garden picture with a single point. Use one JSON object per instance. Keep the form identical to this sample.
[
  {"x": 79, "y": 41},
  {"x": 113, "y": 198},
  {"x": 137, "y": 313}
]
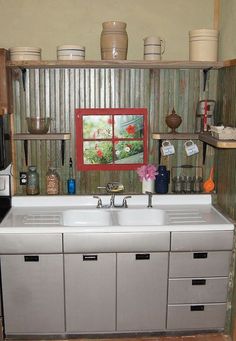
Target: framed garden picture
[{"x": 111, "y": 139}]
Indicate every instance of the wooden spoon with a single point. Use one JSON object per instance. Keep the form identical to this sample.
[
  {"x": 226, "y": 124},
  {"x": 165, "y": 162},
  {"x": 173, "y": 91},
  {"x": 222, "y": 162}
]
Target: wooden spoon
[{"x": 209, "y": 184}]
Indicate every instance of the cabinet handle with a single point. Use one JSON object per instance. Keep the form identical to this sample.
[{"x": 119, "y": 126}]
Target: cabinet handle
[
  {"x": 198, "y": 282},
  {"x": 197, "y": 308},
  {"x": 199, "y": 255},
  {"x": 90, "y": 257},
  {"x": 31, "y": 258},
  {"x": 140, "y": 256}
]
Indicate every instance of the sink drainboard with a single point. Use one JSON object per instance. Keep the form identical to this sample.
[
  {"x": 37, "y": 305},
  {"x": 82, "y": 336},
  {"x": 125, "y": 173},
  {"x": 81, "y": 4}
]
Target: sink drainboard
[{"x": 41, "y": 219}]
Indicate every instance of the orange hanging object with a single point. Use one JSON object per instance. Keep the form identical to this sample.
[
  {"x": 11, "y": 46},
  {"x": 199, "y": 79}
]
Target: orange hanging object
[{"x": 209, "y": 184}]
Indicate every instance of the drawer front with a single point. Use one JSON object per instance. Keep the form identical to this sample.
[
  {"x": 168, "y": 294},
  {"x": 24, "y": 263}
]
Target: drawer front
[
  {"x": 198, "y": 290},
  {"x": 199, "y": 264},
  {"x": 30, "y": 243},
  {"x": 204, "y": 240},
  {"x": 116, "y": 242},
  {"x": 191, "y": 317}
]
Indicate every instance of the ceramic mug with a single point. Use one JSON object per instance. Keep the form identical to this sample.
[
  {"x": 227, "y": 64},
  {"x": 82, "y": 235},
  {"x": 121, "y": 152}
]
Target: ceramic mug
[
  {"x": 191, "y": 148},
  {"x": 154, "y": 47},
  {"x": 167, "y": 148}
]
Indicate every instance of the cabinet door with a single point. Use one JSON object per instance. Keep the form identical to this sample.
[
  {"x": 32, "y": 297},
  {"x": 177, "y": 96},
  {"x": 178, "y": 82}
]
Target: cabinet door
[
  {"x": 90, "y": 292},
  {"x": 141, "y": 291},
  {"x": 33, "y": 294}
]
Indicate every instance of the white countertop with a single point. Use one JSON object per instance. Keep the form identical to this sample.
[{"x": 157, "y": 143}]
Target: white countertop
[{"x": 44, "y": 214}]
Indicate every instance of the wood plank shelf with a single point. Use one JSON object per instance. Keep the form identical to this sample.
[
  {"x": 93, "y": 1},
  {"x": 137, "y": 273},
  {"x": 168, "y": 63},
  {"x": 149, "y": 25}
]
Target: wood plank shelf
[
  {"x": 122, "y": 64},
  {"x": 175, "y": 136},
  {"x": 49, "y": 137},
  {"x": 208, "y": 139}
]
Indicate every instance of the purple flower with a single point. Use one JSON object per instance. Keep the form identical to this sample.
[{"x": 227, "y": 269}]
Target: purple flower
[{"x": 147, "y": 172}]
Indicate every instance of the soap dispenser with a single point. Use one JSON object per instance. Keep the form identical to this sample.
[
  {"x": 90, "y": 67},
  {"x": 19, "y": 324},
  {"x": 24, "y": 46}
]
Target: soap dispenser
[{"x": 71, "y": 184}]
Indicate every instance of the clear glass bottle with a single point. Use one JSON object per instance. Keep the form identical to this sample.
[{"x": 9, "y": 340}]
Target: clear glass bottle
[
  {"x": 52, "y": 181},
  {"x": 32, "y": 187}
]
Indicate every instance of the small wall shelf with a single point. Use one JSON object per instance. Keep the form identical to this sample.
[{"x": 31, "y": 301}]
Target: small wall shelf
[
  {"x": 51, "y": 136},
  {"x": 208, "y": 139}
]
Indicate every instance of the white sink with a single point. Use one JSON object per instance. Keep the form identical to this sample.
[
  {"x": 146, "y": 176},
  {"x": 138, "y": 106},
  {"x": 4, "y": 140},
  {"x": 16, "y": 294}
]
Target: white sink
[
  {"x": 86, "y": 218},
  {"x": 137, "y": 217}
]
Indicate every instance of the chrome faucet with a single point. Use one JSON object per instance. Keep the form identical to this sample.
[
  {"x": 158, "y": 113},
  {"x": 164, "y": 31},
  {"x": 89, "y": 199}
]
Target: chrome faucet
[
  {"x": 113, "y": 188},
  {"x": 149, "y": 199}
]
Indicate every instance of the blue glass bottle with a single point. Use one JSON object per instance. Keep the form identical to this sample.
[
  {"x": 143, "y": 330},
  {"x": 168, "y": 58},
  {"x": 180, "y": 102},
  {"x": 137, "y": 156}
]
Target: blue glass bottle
[
  {"x": 71, "y": 184},
  {"x": 162, "y": 180}
]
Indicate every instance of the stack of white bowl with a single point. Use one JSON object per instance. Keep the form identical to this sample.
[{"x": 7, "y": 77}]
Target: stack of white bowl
[
  {"x": 25, "y": 53},
  {"x": 70, "y": 52}
]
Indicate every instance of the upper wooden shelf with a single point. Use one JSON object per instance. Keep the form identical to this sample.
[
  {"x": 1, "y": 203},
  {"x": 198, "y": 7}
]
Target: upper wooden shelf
[
  {"x": 48, "y": 136},
  {"x": 122, "y": 64}
]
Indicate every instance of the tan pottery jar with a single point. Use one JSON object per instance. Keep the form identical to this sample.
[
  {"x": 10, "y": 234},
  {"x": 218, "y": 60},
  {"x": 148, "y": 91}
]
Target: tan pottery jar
[{"x": 114, "y": 40}]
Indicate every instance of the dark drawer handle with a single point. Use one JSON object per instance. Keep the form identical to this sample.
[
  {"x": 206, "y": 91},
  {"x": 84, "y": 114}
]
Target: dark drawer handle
[
  {"x": 140, "y": 256},
  {"x": 31, "y": 258},
  {"x": 198, "y": 282},
  {"x": 197, "y": 308},
  {"x": 199, "y": 255},
  {"x": 90, "y": 257}
]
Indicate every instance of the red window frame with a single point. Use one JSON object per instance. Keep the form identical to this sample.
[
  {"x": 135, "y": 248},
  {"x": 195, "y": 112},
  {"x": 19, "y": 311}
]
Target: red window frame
[{"x": 80, "y": 113}]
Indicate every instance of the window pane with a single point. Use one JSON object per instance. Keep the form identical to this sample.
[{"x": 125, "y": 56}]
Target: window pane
[
  {"x": 130, "y": 126},
  {"x": 129, "y": 152},
  {"x": 96, "y": 152},
  {"x": 97, "y": 127}
]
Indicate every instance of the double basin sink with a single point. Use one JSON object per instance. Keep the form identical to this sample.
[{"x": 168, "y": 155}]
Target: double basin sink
[{"x": 108, "y": 217}]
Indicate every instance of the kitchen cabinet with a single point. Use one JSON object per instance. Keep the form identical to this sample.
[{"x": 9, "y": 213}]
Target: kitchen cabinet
[
  {"x": 141, "y": 291},
  {"x": 198, "y": 279},
  {"x": 90, "y": 292},
  {"x": 33, "y": 293}
]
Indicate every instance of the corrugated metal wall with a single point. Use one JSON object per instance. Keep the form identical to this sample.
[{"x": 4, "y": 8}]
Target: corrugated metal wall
[{"x": 55, "y": 93}]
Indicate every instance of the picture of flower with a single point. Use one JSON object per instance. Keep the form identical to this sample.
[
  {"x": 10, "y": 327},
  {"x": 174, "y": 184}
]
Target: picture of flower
[{"x": 130, "y": 129}]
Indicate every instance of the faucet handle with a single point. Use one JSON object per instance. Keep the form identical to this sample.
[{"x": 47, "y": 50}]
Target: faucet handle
[
  {"x": 99, "y": 204},
  {"x": 124, "y": 203}
]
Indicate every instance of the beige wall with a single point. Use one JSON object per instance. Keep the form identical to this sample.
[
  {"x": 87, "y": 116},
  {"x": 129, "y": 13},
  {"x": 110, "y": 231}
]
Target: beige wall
[
  {"x": 48, "y": 23},
  {"x": 227, "y": 44}
]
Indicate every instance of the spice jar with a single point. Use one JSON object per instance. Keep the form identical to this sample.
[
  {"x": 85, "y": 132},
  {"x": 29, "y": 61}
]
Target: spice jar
[
  {"x": 52, "y": 181},
  {"x": 32, "y": 186}
]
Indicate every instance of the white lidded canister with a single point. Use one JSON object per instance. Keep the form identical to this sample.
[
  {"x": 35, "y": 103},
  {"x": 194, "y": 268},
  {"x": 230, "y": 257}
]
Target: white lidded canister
[{"x": 203, "y": 45}]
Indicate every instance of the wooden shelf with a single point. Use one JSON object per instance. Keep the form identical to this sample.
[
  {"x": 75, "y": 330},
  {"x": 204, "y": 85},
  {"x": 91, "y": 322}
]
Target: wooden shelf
[
  {"x": 176, "y": 136},
  {"x": 25, "y": 137},
  {"x": 49, "y": 136},
  {"x": 207, "y": 138},
  {"x": 133, "y": 64}
]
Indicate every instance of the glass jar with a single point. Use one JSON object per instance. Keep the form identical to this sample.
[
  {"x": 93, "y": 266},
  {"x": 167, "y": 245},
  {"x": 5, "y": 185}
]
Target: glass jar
[
  {"x": 32, "y": 186},
  {"x": 52, "y": 181}
]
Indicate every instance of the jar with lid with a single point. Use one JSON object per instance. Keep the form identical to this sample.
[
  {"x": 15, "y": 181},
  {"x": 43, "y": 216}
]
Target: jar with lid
[
  {"x": 32, "y": 186},
  {"x": 52, "y": 181}
]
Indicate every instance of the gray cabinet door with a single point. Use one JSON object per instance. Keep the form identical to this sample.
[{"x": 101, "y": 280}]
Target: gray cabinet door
[
  {"x": 33, "y": 294},
  {"x": 90, "y": 283},
  {"x": 141, "y": 291}
]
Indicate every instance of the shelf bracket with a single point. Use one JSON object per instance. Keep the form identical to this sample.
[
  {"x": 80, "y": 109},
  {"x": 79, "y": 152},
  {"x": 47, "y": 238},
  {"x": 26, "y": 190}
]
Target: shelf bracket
[
  {"x": 26, "y": 151},
  {"x": 159, "y": 150},
  {"x": 204, "y": 152},
  {"x": 62, "y": 152},
  {"x": 205, "y": 73},
  {"x": 23, "y": 74}
]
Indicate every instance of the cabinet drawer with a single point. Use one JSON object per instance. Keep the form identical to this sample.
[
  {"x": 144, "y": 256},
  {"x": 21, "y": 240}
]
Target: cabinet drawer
[
  {"x": 198, "y": 290},
  {"x": 199, "y": 264},
  {"x": 185, "y": 316},
  {"x": 116, "y": 242},
  {"x": 30, "y": 243},
  {"x": 204, "y": 240}
]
